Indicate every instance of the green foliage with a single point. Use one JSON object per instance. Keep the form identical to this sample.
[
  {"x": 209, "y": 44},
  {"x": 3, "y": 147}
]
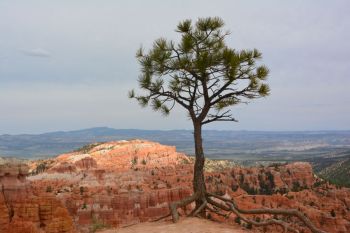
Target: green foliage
[
  {"x": 318, "y": 183},
  {"x": 199, "y": 72},
  {"x": 185, "y": 161},
  {"x": 266, "y": 186},
  {"x": 270, "y": 178},
  {"x": 85, "y": 149},
  {"x": 134, "y": 161},
  {"x": 40, "y": 168},
  {"x": 296, "y": 187},
  {"x": 250, "y": 190},
  {"x": 337, "y": 173},
  {"x": 238, "y": 220}
]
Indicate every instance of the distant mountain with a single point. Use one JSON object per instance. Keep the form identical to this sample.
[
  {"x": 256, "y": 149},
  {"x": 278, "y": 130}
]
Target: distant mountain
[
  {"x": 327, "y": 151},
  {"x": 244, "y": 145}
]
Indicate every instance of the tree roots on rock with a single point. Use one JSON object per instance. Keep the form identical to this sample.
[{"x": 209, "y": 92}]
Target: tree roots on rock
[{"x": 224, "y": 207}]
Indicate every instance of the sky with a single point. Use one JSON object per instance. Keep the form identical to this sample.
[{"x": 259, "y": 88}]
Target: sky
[{"x": 67, "y": 65}]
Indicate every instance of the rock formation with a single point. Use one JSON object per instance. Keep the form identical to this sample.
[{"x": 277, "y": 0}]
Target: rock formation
[
  {"x": 116, "y": 183},
  {"x": 120, "y": 183},
  {"x": 22, "y": 211}
]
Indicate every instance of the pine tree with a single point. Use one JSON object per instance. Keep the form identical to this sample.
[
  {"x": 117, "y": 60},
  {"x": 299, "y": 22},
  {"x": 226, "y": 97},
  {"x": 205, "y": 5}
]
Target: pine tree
[{"x": 206, "y": 77}]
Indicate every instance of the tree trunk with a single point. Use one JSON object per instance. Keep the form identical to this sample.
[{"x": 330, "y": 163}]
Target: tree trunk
[{"x": 198, "y": 176}]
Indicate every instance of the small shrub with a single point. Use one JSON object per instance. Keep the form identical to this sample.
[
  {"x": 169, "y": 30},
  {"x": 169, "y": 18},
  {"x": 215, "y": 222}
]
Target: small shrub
[
  {"x": 248, "y": 189},
  {"x": 144, "y": 162},
  {"x": 85, "y": 149},
  {"x": 185, "y": 161},
  {"x": 296, "y": 186},
  {"x": 39, "y": 169},
  {"x": 134, "y": 161},
  {"x": 266, "y": 187},
  {"x": 238, "y": 220}
]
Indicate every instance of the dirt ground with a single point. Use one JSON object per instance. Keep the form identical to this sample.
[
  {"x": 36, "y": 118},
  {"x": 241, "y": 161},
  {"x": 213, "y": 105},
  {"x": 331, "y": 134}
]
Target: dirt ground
[{"x": 185, "y": 225}]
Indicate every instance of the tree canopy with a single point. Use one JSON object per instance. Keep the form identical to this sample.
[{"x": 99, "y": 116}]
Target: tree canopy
[{"x": 201, "y": 73}]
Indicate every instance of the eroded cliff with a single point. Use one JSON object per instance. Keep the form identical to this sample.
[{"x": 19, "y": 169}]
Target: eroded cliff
[{"x": 120, "y": 183}]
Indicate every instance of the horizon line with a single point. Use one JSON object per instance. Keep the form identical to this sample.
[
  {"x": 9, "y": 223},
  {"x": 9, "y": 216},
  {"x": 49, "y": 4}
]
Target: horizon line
[{"x": 168, "y": 130}]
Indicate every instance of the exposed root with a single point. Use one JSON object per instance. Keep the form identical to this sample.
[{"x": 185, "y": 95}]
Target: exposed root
[
  {"x": 202, "y": 207},
  {"x": 216, "y": 211},
  {"x": 229, "y": 206},
  {"x": 161, "y": 218},
  {"x": 174, "y": 205}
]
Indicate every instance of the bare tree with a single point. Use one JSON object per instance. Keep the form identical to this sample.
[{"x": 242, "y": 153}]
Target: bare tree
[{"x": 205, "y": 77}]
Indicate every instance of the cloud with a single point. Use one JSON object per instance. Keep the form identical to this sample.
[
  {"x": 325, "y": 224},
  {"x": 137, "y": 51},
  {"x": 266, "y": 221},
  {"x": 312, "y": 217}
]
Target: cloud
[{"x": 38, "y": 52}]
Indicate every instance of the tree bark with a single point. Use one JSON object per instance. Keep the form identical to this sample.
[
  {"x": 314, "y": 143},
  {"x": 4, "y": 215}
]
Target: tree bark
[{"x": 198, "y": 175}]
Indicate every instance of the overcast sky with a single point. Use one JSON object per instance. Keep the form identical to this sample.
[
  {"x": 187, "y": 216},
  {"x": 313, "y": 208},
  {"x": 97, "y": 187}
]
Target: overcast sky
[{"x": 68, "y": 65}]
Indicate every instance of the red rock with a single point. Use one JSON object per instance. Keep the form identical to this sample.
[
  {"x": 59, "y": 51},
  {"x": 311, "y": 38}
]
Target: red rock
[
  {"x": 126, "y": 182},
  {"x": 22, "y": 211}
]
